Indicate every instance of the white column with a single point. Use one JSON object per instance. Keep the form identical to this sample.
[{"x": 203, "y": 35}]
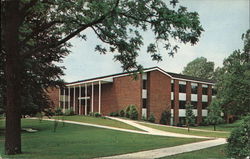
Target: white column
[
  {"x": 64, "y": 102},
  {"x": 69, "y": 98},
  {"x": 92, "y": 98},
  {"x": 86, "y": 102},
  {"x": 59, "y": 98},
  {"x": 99, "y": 97},
  {"x": 79, "y": 107},
  {"x": 74, "y": 100}
]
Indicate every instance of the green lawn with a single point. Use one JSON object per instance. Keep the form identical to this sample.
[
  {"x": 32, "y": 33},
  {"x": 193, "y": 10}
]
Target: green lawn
[
  {"x": 221, "y": 127},
  {"x": 99, "y": 121},
  {"x": 76, "y": 141},
  {"x": 217, "y": 152},
  {"x": 184, "y": 131}
]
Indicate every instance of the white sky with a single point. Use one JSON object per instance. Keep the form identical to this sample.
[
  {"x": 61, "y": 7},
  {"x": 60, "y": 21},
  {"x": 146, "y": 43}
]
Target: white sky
[{"x": 224, "y": 21}]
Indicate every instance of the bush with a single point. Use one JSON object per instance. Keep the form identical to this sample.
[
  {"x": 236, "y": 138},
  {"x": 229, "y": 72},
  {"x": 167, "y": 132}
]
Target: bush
[
  {"x": 165, "y": 117},
  {"x": 122, "y": 113},
  {"x": 151, "y": 118},
  {"x": 91, "y": 113},
  {"x": 133, "y": 112},
  {"x": 1, "y": 111},
  {"x": 127, "y": 112},
  {"x": 114, "y": 114},
  {"x": 69, "y": 112},
  {"x": 58, "y": 111},
  {"x": 239, "y": 140},
  {"x": 96, "y": 114}
]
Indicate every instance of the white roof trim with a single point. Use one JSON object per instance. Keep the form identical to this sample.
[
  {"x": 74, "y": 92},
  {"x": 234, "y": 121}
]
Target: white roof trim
[{"x": 110, "y": 79}]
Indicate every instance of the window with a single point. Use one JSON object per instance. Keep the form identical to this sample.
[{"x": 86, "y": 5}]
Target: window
[
  {"x": 144, "y": 84},
  {"x": 62, "y": 91},
  {"x": 204, "y": 105},
  {"x": 194, "y": 104},
  {"x": 172, "y": 104},
  {"x": 194, "y": 89},
  {"x": 172, "y": 87},
  {"x": 182, "y": 88},
  {"x": 204, "y": 90},
  {"x": 214, "y": 91},
  {"x": 182, "y": 104},
  {"x": 144, "y": 103}
]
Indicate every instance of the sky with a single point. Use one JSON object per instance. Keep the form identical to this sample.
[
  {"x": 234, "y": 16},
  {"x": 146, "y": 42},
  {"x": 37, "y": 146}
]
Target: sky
[{"x": 224, "y": 22}]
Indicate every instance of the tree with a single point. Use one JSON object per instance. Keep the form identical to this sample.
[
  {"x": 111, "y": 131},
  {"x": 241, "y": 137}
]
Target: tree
[
  {"x": 36, "y": 33},
  {"x": 214, "y": 114},
  {"x": 233, "y": 86},
  {"x": 165, "y": 117},
  {"x": 199, "y": 67},
  {"x": 239, "y": 141},
  {"x": 190, "y": 118}
]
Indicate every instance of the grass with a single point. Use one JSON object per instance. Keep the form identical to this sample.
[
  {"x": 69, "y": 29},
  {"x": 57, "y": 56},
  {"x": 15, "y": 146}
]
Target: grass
[
  {"x": 217, "y": 152},
  {"x": 77, "y": 141},
  {"x": 184, "y": 131},
  {"x": 99, "y": 121},
  {"x": 221, "y": 127}
]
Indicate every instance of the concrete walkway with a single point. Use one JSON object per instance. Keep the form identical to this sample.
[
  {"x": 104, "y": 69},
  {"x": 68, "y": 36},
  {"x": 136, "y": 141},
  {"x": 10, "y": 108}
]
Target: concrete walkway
[
  {"x": 155, "y": 131},
  {"x": 158, "y": 153}
]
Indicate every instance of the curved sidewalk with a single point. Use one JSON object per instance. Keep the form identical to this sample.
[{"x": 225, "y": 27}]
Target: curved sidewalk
[
  {"x": 155, "y": 131},
  {"x": 158, "y": 153}
]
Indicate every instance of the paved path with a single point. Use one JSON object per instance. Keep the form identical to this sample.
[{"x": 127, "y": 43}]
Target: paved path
[
  {"x": 155, "y": 131},
  {"x": 194, "y": 129},
  {"x": 157, "y": 153}
]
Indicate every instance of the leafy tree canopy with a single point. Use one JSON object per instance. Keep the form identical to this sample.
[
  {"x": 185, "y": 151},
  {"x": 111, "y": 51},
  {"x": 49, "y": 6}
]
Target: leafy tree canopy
[
  {"x": 200, "y": 67},
  {"x": 36, "y": 33},
  {"x": 234, "y": 82}
]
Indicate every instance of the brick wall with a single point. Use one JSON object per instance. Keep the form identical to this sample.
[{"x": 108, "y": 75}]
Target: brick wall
[
  {"x": 53, "y": 93},
  {"x": 176, "y": 102},
  {"x": 159, "y": 93}
]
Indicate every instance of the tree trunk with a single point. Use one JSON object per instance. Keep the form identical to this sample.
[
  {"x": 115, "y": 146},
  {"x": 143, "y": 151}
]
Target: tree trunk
[{"x": 13, "y": 78}]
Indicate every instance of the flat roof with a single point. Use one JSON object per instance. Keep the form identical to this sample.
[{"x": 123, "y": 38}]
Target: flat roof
[{"x": 173, "y": 75}]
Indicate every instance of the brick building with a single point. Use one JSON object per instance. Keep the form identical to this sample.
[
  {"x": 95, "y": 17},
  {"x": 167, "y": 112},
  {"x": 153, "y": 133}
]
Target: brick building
[{"x": 154, "y": 91}]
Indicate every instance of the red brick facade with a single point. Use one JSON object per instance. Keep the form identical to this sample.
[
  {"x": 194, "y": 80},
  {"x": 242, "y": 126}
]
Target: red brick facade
[{"x": 124, "y": 91}]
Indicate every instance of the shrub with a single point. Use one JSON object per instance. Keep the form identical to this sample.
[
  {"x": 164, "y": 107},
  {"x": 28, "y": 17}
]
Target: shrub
[
  {"x": 1, "y": 110},
  {"x": 127, "y": 112},
  {"x": 91, "y": 113},
  {"x": 239, "y": 140},
  {"x": 144, "y": 118},
  {"x": 114, "y": 114},
  {"x": 58, "y": 111},
  {"x": 69, "y": 112},
  {"x": 96, "y": 114},
  {"x": 151, "y": 118},
  {"x": 133, "y": 112},
  {"x": 165, "y": 117},
  {"x": 122, "y": 113}
]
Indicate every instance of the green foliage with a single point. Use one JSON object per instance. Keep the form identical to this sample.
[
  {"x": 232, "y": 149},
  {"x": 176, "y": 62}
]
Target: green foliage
[
  {"x": 200, "y": 67},
  {"x": 58, "y": 111},
  {"x": 133, "y": 112},
  {"x": 127, "y": 112},
  {"x": 214, "y": 114},
  {"x": 239, "y": 141},
  {"x": 115, "y": 114},
  {"x": 151, "y": 118},
  {"x": 122, "y": 113},
  {"x": 96, "y": 114},
  {"x": 39, "y": 115},
  {"x": 165, "y": 117},
  {"x": 190, "y": 118},
  {"x": 233, "y": 86},
  {"x": 69, "y": 112}
]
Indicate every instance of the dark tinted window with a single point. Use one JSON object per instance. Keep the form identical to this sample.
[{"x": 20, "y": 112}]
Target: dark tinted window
[
  {"x": 182, "y": 104},
  {"x": 194, "y": 104},
  {"x": 204, "y": 90},
  {"x": 144, "y": 84},
  {"x": 194, "y": 89},
  {"x": 204, "y": 105},
  {"x": 172, "y": 87},
  {"x": 182, "y": 88},
  {"x": 214, "y": 91},
  {"x": 144, "y": 103},
  {"x": 172, "y": 104}
]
